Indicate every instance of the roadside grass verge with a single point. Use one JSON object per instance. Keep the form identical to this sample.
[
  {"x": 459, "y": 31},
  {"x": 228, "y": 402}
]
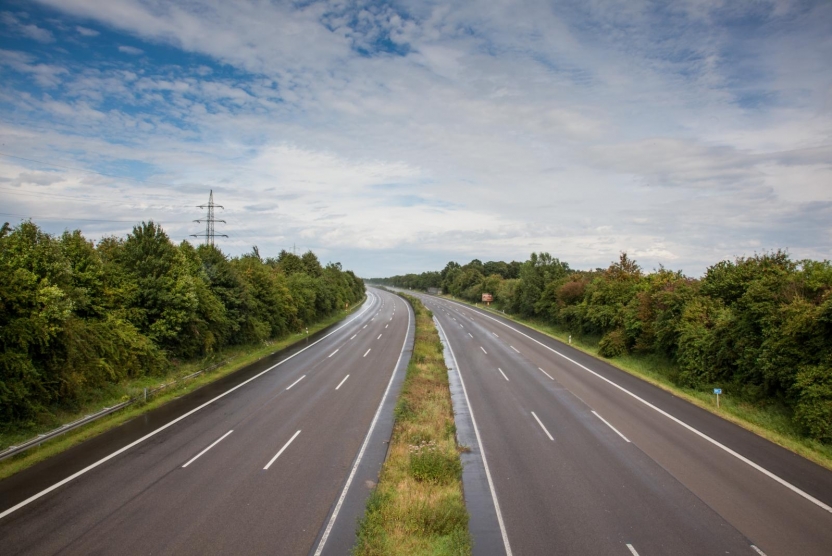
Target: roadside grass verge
[
  {"x": 418, "y": 507},
  {"x": 232, "y": 359},
  {"x": 772, "y": 421}
]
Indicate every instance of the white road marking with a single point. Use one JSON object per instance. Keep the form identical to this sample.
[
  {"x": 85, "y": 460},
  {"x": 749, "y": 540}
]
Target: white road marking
[
  {"x": 757, "y": 550},
  {"x": 461, "y": 325},
  {"x": 277, "y": 455},
  {"x": 610, "y": 426},
  {"x": 353, "y": 336},
  {"x": 678, "y": 421},
  {"x": 542, "y": 427},
  {"x": 632, "y": 550},
  {"x": 495, "y": 334},
  {"x": 295, "y": 382},
  {"x": 515, "y": 349},
  {"x": 365, "y": 354},
  {"x": 470, "y": 334},
  {"x": 336, "y": 351},
  {"x": 151, "y": 434},
  {"x": 545, "y": 373},
  {"x": 217, "y": 441},
  {"x": 479, "y": 441},
  {"x": 502, "y": 373},
  {"x": 340, "y": 502},
  {"x": 363, "y": 327},
  {"x": 342, "y": 382},
  {"x": 483, "y": 350},
  {"x": 379, "y": 337},
  {"x": 386, "y": 325}
]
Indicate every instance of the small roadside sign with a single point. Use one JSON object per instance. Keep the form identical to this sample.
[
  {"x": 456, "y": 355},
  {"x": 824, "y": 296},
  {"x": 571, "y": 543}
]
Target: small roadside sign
[{"x": 717, "y": 391}]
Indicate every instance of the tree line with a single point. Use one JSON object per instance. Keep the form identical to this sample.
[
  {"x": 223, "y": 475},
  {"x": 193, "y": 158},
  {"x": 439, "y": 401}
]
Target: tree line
[
  {"x": 760, "y": 326},
  {"x": 77, "y": 315}
]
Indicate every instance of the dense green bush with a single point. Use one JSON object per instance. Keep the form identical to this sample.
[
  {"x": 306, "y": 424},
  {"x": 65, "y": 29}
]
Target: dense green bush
[
  {"x": 759, "y": 326},
  {"x": 76, "y": 316}
]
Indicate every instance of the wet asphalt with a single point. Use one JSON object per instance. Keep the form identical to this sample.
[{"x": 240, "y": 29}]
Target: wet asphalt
[{"x": 256, "y": 471}]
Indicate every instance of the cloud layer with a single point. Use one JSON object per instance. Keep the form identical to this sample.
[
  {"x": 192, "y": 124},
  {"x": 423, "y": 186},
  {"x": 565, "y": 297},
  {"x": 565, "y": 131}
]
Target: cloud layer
[{"x": 395, "y": 136}]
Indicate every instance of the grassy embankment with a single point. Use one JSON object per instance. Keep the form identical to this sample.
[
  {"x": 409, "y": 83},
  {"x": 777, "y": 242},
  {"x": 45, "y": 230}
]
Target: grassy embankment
[
  {"x": 233, "y": 359},
  {"x": 769, "y": 420},
  {"x": 418, "y": 505}
]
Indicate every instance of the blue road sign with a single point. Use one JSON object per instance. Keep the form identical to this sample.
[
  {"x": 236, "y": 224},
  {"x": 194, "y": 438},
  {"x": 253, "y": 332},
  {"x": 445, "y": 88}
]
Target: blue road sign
[{"x": 717, "y": 390}]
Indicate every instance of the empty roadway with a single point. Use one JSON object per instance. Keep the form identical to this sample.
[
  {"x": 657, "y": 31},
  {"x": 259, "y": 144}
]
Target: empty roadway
[
  {"x": 581, "y": 464},
  {"x": 258, "y": 470}
]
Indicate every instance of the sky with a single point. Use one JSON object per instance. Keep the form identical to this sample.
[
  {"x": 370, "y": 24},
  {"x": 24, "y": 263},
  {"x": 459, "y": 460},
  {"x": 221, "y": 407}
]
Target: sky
[{"x": 395, "y": 136}]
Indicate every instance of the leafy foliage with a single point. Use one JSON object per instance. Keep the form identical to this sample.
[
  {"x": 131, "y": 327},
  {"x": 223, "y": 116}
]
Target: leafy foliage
[
  {"x": 759, "y": 327},
  {"x": 75, "y": 316}
]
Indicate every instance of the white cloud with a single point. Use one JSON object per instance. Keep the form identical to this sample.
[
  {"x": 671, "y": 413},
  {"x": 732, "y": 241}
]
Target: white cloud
[
  {"x": 580, "y": 129},
  {"x": 26, "y": 29},
  {"x": 132, "y": 50},
  {"x": 87, "y": 32}
]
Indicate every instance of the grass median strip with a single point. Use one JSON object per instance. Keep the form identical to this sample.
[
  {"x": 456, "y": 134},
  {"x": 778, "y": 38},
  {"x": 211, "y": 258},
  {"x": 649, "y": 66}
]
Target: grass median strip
[{"x": 418, "y": 505}]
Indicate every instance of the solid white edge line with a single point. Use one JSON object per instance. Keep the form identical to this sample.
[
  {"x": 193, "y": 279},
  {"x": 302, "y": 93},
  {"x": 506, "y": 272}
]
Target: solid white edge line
[
  {"x": 483, "y": 350},
  {"x": 757, "y": 550},
  {"x": 217, "y": 441},
  {"x": 277, "y": 455},
  {"x": 610, "y": 426},
  {"x": 632, "y": 550},
  {"x": 502, "y": 373},
  {"x": 479, "y": 441},
  {"x": 342, "y": 382},
  {"x": 295, "y": 382},
  {"x": 514, "y": 348},
  {"x": 545, "y": 373},
  {"x": 365, "y": 353},
  {"x": 163, "y": 427},
  {"x": 542, "y": 427},
  {"x": 336, "y": 351},
  {"x": 343, "y": 496},
  {"x": 695, "y": 431}
]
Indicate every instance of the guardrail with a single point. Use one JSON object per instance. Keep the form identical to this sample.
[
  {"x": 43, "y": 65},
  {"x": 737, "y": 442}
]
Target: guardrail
[{"x": 41, "y": 438}]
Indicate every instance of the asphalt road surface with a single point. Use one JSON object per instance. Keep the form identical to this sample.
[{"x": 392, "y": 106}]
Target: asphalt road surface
[
  {"x": 259, "y": 467},
  {"x": 586, "y": 459}
]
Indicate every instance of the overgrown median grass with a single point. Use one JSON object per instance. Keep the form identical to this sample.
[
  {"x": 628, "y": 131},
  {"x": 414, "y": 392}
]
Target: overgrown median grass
[
  {"x": 233, "y": 358},
  {"x": 769, "y": 420},
  {"x": 418, "y": 505}
]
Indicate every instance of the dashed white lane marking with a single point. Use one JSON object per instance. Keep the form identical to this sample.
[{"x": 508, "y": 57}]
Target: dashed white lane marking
[
  {"x": 483, "y": 350},
  {"x": 363, "y": 327},
  {"x": 386, "y": 325},
  {"x": 217, "y": 441},
  {"x": 295, "y": 382},
  {"x": 542, "y": 427},
  {"x": 368, "y": 351},
  {"x": 678, "y": 421},
  {"x": 379, "y": 337},
  {"x": 515, "y": 349},
  {"x": 757, "y": 550},
  {"x": 461, "y": 325},
  {"x": 610, "y": 426},
  {"x": 632, "y": 550},
  {"x": 277, "y": 455},
  {"x": 495, "y": 334},
  {"x": 336, "y": 351},
  {"x": 342, "y": 382},
  {"x": 545, "y": 373},
  {"x": 153, "y": 433},
  {"x": 502, "y": 373},
  {"x": 470, "y": 334}
]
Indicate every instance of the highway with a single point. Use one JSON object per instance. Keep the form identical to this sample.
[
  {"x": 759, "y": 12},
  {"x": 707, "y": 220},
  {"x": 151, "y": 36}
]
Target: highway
[
  {"x": 586, "y": 459},
  {"x": 266, "y": 461}
]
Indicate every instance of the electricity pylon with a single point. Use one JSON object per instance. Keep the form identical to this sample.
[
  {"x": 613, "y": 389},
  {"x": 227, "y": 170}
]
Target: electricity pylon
[{"x": 209, "y": 221}]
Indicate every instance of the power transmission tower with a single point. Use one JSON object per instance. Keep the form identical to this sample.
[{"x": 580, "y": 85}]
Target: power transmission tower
[{"x": 209, "y": 221}]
